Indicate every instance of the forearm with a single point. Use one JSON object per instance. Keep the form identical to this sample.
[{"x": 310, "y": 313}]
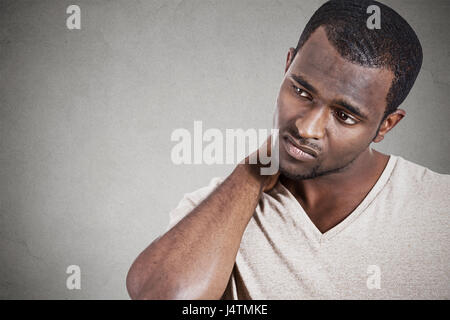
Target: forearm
[{"x": 195, "y": 258}]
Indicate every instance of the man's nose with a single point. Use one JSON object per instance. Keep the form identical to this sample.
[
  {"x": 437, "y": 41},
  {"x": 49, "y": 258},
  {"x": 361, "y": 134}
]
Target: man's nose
[{"x": 312, "y": 124}]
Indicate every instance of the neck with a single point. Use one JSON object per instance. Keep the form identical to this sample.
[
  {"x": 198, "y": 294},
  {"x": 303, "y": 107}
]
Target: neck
[{"x": 353, "y": 182}]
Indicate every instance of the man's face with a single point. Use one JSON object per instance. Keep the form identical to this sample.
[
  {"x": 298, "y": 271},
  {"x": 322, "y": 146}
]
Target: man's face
[{"x": 329, "y": 105}]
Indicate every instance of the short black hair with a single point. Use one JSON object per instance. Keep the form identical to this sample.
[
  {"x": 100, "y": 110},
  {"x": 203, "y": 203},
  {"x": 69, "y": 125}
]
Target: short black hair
[{"x": 394, "y": 46}]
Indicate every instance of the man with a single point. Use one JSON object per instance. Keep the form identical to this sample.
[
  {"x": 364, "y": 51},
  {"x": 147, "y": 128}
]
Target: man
[{"x": 339, "y": 220}]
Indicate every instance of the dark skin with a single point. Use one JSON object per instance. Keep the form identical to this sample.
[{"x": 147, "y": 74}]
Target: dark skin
[
  {"x": 195, "y": 258},
  {"x": 345, "y": 168}
]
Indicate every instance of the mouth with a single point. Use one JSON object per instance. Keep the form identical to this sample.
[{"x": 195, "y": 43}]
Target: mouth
[{"x": 298, "y": 151}]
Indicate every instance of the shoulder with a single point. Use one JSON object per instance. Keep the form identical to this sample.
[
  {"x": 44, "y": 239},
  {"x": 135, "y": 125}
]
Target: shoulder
[
  {"x": 191, "y": 200},
  {"x": 415, "y": 172},
  {"x": 420, "y": 180},
  {"x": 200, "y": 194}
]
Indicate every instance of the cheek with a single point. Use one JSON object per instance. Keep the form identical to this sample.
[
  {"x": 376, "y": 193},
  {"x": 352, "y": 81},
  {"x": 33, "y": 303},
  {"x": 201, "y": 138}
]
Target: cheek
[
  {"x": 287, "y": 106},
  {"x": 347, "y": 143}
]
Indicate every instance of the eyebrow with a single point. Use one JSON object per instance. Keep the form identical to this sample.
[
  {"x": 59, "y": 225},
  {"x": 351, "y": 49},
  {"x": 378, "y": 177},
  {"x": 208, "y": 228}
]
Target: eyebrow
[
  {"x": 349, "y": 107},
  {"x": 352, "y": 109},
  {"x": 299, "y": 79}
]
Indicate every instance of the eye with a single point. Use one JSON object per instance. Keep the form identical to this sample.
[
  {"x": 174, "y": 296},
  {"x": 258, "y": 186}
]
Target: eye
[
  {"x": 345, "y": 117},
  {"x": 300, "y": 92}
]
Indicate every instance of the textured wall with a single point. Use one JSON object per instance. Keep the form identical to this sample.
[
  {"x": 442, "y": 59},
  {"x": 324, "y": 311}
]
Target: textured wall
[{"x": 86, "y": 117}]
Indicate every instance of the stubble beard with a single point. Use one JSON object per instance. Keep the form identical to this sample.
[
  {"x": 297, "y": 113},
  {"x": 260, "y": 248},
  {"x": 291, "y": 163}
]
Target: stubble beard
[{"x": 315, "y": 172}]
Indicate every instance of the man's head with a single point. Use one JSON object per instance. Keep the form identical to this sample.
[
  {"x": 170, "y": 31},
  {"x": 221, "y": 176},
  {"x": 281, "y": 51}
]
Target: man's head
[{"x": 342, "y": 87}]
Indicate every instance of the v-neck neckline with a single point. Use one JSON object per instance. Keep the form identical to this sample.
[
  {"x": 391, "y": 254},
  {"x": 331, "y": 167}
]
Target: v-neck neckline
[{"x": 303, "y": 219}]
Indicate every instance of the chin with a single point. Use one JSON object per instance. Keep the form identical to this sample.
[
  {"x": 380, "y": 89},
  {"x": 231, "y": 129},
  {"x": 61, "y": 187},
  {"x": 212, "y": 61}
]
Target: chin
[{"x": 298, "y": 172}]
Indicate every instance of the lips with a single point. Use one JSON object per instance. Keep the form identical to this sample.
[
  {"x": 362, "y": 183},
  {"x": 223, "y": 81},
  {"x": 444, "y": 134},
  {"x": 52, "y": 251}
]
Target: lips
[{"x": 302, "y": 148}]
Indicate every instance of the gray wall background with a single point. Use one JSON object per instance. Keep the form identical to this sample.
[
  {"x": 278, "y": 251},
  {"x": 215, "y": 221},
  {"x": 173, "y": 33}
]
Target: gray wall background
[{"x": 86, "y": 117}]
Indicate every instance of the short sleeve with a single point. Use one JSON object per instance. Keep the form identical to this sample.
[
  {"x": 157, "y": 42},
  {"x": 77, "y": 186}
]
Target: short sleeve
[{"x": 192, "y": 200}]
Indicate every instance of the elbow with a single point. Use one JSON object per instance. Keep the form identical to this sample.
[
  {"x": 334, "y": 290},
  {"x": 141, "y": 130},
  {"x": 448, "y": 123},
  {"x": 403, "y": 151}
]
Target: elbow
[
  {"x": 137, "y": 286},
  {"x": 142, "y": 289},
  {"x": 133, "y": 284}
]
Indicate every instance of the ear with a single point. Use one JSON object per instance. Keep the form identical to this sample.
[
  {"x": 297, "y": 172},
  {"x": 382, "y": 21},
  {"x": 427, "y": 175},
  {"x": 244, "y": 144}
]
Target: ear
[
  {"x": 389, "y": 123},
  {"x": 289, "y": 58}
]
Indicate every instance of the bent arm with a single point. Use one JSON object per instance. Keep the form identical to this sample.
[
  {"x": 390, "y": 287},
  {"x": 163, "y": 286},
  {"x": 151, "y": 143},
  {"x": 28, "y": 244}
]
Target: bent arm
[{"x": 195, "y": 258}]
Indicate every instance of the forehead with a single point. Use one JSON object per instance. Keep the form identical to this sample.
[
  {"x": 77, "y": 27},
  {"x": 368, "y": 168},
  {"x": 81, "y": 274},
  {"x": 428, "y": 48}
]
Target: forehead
[{"x": 336, "y": 78}]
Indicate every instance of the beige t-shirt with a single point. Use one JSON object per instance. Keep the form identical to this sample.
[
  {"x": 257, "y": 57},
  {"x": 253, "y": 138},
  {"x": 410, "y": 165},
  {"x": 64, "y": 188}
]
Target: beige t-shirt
[{"x": 394, "y": 245}]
